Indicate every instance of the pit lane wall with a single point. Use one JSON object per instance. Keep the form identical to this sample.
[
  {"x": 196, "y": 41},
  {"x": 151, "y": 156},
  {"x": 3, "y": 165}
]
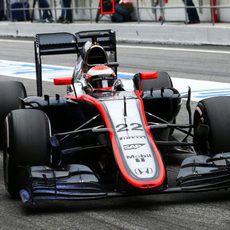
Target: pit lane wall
[
  {"x": 131, "y": 32},
  {"x": 171, "y": 32}
]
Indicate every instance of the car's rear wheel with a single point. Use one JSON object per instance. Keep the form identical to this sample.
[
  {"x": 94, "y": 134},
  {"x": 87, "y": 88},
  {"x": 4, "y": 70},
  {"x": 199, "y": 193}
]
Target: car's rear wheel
[
  {"x": 163, "y": 80},
  {"x": 212, "y": 126},
  {"x": 26, "y": 143},
  {"x": 10, "y": 94}
]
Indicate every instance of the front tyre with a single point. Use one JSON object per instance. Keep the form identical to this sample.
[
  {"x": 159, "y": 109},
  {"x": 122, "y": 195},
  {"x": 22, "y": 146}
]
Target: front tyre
[
  {"x": 212, "y": 126},
  {"x": 26, "y": 142}
]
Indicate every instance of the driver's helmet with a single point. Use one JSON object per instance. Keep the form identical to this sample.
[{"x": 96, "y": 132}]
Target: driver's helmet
[{"x": 101, "y": 77}]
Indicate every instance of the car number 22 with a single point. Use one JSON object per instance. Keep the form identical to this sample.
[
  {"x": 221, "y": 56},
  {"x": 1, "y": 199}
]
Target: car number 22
[{"x": 125, "y": 127}]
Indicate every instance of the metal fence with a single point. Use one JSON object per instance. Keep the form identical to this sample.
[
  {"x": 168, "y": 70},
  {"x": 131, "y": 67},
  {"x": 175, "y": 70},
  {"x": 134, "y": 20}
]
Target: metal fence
[{"x": 92, "y": 9}]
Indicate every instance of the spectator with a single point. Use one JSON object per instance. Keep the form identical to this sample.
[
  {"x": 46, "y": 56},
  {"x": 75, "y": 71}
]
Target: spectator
[
  {"x": 66, "y": 12},
  {"x": 123, "y": 11},
  {"x": 2, "y": 7},
  {"x": 193, "y": 16},
  {"x": 46, "y": 12},
  {"x": 62, "y": 16}
]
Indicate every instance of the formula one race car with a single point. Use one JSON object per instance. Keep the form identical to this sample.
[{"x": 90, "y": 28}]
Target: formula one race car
[{"x": 108, "y": 135}]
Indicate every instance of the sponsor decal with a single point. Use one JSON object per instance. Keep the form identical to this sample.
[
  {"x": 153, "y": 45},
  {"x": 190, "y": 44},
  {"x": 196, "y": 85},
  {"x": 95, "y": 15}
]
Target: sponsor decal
[
  {"x": 139, "y": 158},
  {"x": 132, "y": 137},
  {"x": 143, "y": 171},
  {"x": 132, "y": 146}
]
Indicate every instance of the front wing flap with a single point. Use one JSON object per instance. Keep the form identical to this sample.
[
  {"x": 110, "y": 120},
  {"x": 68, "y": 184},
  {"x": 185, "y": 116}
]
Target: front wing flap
[
  {"x": 70, "y": 182},
  {"x": 200, "y": 173}
]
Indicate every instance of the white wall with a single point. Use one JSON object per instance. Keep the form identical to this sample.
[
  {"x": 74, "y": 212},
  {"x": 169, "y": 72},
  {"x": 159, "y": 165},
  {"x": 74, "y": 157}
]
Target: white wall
[{"x": 224, "y": 13}]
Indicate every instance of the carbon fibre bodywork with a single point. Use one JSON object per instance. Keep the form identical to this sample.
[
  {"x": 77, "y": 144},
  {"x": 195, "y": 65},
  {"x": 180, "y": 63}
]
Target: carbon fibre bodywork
[{"x": 110, "y": 142}]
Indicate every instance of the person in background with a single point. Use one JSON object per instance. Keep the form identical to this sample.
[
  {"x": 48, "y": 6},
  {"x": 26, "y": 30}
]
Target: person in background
[
  {"x": 66, "y": 12},
  {"x": 123, "y": 11},
  {"x": 62, "y": 16},
  {"x": 193, "y": 16},
  {"x": 46, "y": 12},
  {"x": 2, "y": 7}
]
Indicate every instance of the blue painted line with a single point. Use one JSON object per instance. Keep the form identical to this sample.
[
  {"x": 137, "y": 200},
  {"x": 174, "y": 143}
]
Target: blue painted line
[
  {"x": 210, "y": 90},
  {"x": 125, "y": 75},
  {"x": 44, "y": 69},
  {"x": 210, "y": 95}
]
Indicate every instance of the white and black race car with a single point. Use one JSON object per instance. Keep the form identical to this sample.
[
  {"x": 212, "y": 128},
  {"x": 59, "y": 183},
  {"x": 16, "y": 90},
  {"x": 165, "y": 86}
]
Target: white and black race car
[{"x": 107, "y": 136}]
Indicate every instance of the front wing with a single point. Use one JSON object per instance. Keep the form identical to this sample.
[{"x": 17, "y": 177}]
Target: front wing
[{"x": 78, "y": 182}]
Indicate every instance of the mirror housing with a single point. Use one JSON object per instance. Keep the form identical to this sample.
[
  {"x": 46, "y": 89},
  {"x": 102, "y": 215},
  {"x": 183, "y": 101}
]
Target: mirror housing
[{"x": 63, "y": 81}]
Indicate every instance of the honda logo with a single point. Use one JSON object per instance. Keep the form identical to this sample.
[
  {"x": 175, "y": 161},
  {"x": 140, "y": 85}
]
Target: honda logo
[{"x": 143, "y": 171}]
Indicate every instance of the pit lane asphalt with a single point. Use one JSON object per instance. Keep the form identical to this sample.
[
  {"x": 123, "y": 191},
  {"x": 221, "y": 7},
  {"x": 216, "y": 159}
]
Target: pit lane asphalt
[{"x": 209, "y": 210}]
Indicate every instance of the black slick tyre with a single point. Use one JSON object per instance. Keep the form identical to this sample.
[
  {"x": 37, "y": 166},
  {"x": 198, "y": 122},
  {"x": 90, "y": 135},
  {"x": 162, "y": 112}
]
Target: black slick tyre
[
  {"x": 163, "y": 81},
  {"x": 10, "y": 94},
  {"x": 212, "y": 126},
  {"x": 26, "y": 143}
]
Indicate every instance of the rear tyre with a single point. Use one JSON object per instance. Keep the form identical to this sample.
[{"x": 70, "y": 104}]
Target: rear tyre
[
  {"x": 26, "y": 142},
  {"x": 212, "y": 126},
  {"x": 10, "y": 94},
  {"x": 163, "y": 81}
]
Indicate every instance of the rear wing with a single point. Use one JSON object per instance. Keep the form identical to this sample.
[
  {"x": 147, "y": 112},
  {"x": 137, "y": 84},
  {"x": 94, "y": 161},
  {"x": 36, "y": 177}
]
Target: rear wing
[
  {"x": 67, "y": 43},
  {"x": 105, "y": 38},
  {"x": 51, "y": 44}
]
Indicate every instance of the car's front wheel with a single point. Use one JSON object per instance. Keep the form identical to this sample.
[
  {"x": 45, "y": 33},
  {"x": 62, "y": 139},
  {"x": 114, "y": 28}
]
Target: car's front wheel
[
  {"x": 26, "y": 143},
  {"x": 212, "y": 126}
]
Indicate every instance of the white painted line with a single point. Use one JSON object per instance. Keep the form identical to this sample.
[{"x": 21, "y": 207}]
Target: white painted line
[
  {"x": 175, "y": 49},
  {"x": 16, "y": 41},
  {"x": 143, "y": 47},
  {"x": 200, "y": 89}
]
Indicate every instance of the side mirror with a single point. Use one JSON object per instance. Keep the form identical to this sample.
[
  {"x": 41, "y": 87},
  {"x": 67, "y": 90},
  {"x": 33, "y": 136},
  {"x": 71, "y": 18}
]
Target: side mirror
[{"x": 63, "y": 81}]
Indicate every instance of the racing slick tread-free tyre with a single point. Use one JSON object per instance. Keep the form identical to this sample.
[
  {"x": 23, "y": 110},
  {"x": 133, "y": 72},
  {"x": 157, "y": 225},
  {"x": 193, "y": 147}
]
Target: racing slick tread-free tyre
[
  {"x": 163, "y": 80},
  {"x": 212, "y": 113},
  {"x": 26, "y": 143},
  {"x": 10, "y": 94}
]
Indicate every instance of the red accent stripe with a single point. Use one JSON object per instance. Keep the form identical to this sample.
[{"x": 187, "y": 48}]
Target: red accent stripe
[
  {"x": 162, "y": 175},
  {"x": 140, "y": 184}
]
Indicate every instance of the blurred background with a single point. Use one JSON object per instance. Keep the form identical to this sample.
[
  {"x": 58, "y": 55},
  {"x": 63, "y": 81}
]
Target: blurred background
[{"x": 210, "y": 11}]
